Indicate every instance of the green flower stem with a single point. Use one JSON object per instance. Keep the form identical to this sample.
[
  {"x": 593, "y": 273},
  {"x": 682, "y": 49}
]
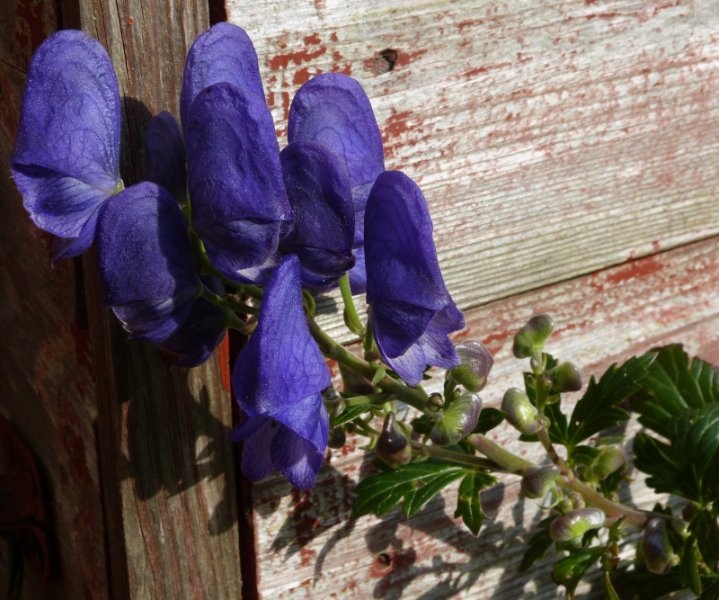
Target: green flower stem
[
  {"x": 632, "y": 516},
  {"x": 353, "y": 320},
  {"x": 234, "y": 322},
  {"x": 507, "y": 461},
  {"x": 457, "y": 457},
  {"x": 414, "y": 396}
]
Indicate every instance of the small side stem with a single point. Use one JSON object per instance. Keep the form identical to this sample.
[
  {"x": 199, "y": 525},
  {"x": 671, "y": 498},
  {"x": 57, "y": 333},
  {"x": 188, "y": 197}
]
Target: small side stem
[
  {"x": 458, "y": 457},
  {"x": 224, "y": 302},
  {"x": 505, "y": 459},
  {"x": 632, "y": 516},
  {"x": 414, "y": 396},
  {"x": 353, "y": 320}
]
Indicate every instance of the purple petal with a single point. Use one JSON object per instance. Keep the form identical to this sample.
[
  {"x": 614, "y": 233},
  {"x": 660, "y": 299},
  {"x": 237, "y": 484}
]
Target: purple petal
[
  {"x": 257, "y": 433},
  {"x": 66, "y": 157},
  {"x": 281, "y": 364},
  {"x": 165, "y": 155},
  {"x": 235, "y": 178},
  {"x": 334, "y": 110},
  {"x": 222, "y": 53},
  {"x": 145, "y": 261},
  {"x": 298, "y": 459},
  {"x": 319, "y": 193},
  {"x": 358, "y": 273}
]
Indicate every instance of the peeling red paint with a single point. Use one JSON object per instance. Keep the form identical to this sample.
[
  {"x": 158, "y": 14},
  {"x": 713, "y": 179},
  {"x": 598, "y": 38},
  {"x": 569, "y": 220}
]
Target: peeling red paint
[
  {"x": 396, "y": 124},
  {"x": 485, "y": 68},
  {"x": 307, "y": 556},
  {"x": 637, "y": 268},
  {"x": 404, "y": 58},
  {"x": 604, "y": 15},
  {"x": 312, "y": 40},
  {"x": 281, "y": 61},
  {"x": 301, "y": 76}
]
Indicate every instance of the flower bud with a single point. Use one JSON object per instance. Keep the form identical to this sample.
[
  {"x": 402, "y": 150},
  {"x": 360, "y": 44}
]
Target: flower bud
[
  {"x": 337, "y": 438},
  {"x": 392, "y": 444},
  {"x": 610, "y": 460},
  {"x": 458, "y": 421},
  {"x": 537, "y": 481},
  {"x": 530, "y": 338},
  {"x": 566, "y": 377},
  {"x": 575, "y": 524},
  {"x": 576, "y": 499},
  {"x": 657, "y": 549},
  {"x": 476, "y": 364},
  {"x": 435, "y": 402},
  {"x": 520, "y": 411}
]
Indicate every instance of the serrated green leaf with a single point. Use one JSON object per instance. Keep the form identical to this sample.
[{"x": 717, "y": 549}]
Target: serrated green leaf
[
  {"x": 349, "y": 414},
  {"x": 672, "y": 385},
  {"x": 568, "y": 571},
  {"x": 414, "y": 484},
  {"x": 538, "y": 545},
  {"x": 489, "y": 418},
  {"x": 597, "y": 409},
  {"x": 659, "y": 461},
  {"x": 469, "y": 506},
  {"x": 558, "y": 426}
]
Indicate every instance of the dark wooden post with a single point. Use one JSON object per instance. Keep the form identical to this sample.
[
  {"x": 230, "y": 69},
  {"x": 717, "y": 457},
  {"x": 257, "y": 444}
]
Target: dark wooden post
[{"x": 135, "y": 453}]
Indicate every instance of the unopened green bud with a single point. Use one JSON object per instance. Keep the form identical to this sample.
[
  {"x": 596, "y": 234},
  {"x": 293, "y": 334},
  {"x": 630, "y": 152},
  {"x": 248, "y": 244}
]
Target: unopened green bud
[
  {"x": 520, "y": 411},
  {"x": 576, "y": 499},
  {"x": 337, "y": 438},
  {"x": 458, "y": 421},
  {"x": 435, "y": 402},
  {"x": 611, "y": 459},
  {"x": 476, "y": 364},
  {"x": 656, "y": 547},
  {"x": 565, "y": 377},
  {"x": 575, "y": 524},
  {"x": 530, "y": 338},
  {"x": 536, "y": 481},
  {"x": 392, "y": 444}
]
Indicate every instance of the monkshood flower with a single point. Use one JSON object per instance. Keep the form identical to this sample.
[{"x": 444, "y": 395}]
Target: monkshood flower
[
  {"x": 334, "y": 110},
  {"x": 318, "y": 189},
  {"x": 165, "y": 155},
  {"x": 410, "y": 309},
  {"x": 239, "y": 203},
  {"x": 277, "y": 380},
  {"x": 146, "y": 263},
  {"x": 66, "y": 157}
]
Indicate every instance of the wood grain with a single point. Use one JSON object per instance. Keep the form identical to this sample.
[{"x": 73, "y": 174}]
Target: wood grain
[
  {"x": 551, "y": 139},
  {"x": 167, "y": 466},
  {"x": 308, "y": 549},
  {"x": 46, "y": 367}
]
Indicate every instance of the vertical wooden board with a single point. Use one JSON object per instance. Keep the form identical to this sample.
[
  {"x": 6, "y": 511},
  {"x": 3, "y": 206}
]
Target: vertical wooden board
[
  {"x": 167, "y": 466},
  {"x": 46, "y": 366},
  {"x": 551, "y": 139},
  {"x": 306, "y": 546}
]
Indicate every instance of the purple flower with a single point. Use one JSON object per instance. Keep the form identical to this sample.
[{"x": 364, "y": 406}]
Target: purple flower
[
  {"x": 66, "y": 157},
  {"x": 165, "y": 155},
  {"x": 239, "y": 203},
  {"x": 277, "y": 380},
  {"x": 411, "y": 310},
  {"x": 318, "y": 189},
  {"x": 334, "y": 110},
  {"x": 145, "y": 260}
]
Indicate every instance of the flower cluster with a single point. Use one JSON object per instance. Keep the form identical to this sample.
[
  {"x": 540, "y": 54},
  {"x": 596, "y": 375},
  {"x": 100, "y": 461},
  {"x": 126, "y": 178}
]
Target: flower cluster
[{"x": 223, "y": 209}]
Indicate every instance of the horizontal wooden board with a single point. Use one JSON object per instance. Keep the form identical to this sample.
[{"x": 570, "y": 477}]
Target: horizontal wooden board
[
  {"x": 551, "y": 139},
  {"x": 306, "y": 547}
]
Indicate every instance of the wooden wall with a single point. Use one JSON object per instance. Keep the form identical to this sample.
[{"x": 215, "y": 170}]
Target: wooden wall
[{"x": 569, "y": 151}]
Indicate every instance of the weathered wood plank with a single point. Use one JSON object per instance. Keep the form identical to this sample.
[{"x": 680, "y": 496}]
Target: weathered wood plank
[
  {"x": 551, "y": 139},
  {"x": 167, "y": 467},
  {"x": 46, "y": 367},
  {"x": 306, "y": 548}
]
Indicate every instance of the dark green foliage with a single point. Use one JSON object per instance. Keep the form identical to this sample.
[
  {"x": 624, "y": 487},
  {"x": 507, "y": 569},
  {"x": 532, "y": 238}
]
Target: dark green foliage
[
  {"x": 469, "y": 506},
  {"x": 489, "y": 418}
]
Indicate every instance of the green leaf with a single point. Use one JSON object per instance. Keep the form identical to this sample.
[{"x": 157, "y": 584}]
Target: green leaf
[
  {"x": 609, "y": 592},
  {"x": 413, "y": 484},
  {"x": 598, "y": 409},
  {"x": 349, "y": 414},
  {"x": 687, "y": 466},
  {"x": 489, "y": 418},
  {"x": 379, "y": 374},
  {"x": 711, "y": 589},
  {"x": 672, "y": 385},
  {"x": 538, "y": 545},
  {"x": 705, "y": 528},
  {"x": 689, "y": 568},
  {"x": 568, "y": 571},
  {"x": 469, "y": 506}
]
